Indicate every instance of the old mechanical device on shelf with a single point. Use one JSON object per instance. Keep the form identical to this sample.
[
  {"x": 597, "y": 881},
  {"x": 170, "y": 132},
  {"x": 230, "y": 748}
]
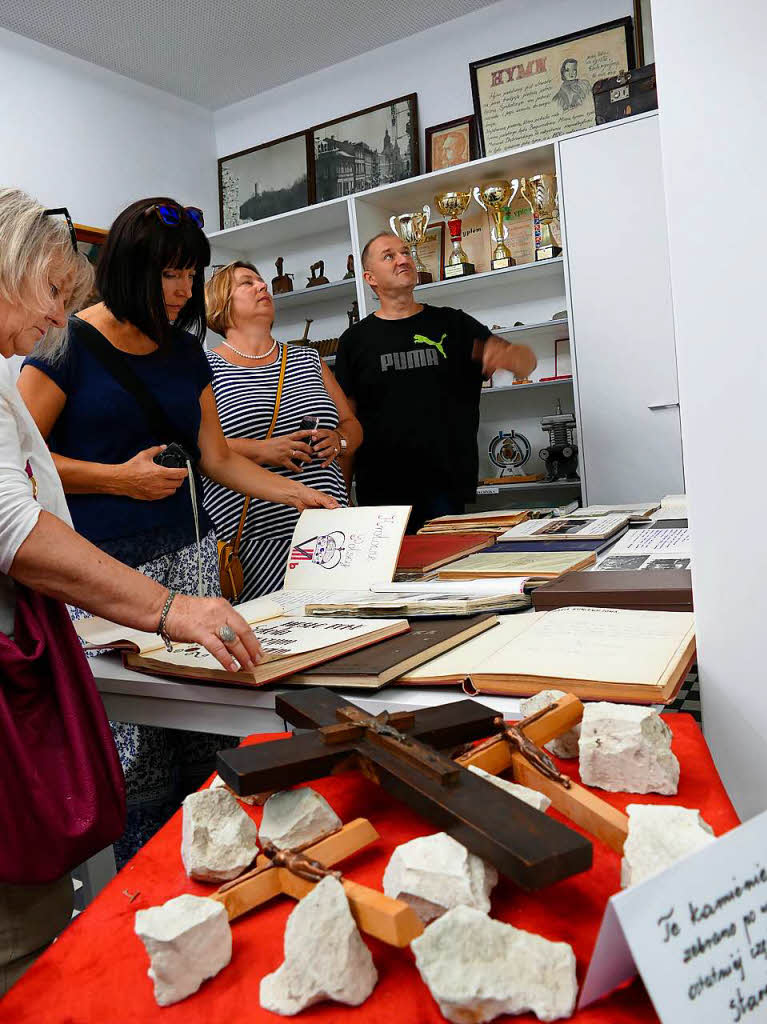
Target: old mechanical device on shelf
[
  {"x": 561, "y": 455},
  {"x": 509, "y": 451},
  {"x": 411, "y": 228},
  {"x": 318, "y": 278},
  {"x": 494, "y": 197},
  {"x": 353, "y": 313},
  {"x": 452, "y": 206},
  {"x": 282, "y": 283},
  {"x": 541, "y": 193},
  {"x": 349, "y": 267},
  {"x": 326, "y": 347}
]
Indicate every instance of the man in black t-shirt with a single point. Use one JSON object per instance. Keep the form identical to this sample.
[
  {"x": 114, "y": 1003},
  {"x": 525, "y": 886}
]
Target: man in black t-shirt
[{"x": 413, "y": 375}]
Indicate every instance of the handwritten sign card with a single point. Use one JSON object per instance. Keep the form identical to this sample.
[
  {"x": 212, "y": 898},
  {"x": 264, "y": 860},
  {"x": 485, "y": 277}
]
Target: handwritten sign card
[{"x": 697, "y": 934}]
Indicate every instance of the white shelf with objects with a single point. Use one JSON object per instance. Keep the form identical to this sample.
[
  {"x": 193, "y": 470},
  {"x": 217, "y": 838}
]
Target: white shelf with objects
[{"x": 519, "y": 302}]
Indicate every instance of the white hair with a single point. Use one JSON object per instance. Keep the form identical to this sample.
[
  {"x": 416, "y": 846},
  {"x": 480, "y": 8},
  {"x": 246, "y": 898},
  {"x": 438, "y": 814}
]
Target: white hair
[{"x": 30, "y": 244}]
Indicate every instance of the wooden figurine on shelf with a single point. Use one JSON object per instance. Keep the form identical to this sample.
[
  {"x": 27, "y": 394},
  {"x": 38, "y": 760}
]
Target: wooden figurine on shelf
[
  {"x": 320, "y": 279},
  {"x": 282, "y": 283},
  {"x": 353, "y": 313},
  {"x": 349, "y": 267}
]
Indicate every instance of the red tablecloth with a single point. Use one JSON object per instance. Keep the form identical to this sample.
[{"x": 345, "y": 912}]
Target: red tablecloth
[{"x": 96, "y": 971}]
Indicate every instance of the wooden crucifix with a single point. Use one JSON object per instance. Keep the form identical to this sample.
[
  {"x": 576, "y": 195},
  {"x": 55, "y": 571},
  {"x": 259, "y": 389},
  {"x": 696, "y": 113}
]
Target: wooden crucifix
[
  {"x": 392, "y": 921},
  {"x": 401, "y": 753},
  {"x": 578, "y": 804}
]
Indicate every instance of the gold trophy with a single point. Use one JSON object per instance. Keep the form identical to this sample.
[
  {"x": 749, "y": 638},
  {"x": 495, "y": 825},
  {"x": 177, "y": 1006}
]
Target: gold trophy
[
  {"x": 452, "y": 206},
  {"x": 494, "y": 197},
  {"x": 411, "y": 228},
  {"x": 541, "y": 193}
]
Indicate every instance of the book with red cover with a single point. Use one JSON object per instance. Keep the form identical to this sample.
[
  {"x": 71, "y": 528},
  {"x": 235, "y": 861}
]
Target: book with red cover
[{"x": 423, "y": 552}]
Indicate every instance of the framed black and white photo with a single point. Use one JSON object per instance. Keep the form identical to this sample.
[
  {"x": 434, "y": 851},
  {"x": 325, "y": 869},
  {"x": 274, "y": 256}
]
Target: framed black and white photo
[
  {"x": 542, "y": 91},
  {"x": 265, "y": 180},
  {"x": 371, "y": 147}
]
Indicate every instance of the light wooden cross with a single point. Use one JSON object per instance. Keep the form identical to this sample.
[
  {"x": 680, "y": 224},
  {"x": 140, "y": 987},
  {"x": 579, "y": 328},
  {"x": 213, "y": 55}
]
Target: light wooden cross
[
  {"x": 580, "y": 805},
  {"x": 392, "y": 921}
]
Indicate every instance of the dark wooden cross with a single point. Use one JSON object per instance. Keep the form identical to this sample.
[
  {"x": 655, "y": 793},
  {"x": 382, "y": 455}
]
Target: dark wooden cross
[{"x": 401, "y": 753}]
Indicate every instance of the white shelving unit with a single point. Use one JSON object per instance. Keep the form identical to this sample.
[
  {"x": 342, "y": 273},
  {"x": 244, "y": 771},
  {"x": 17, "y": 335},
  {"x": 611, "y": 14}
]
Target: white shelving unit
[{"x": 531, "y": 293}]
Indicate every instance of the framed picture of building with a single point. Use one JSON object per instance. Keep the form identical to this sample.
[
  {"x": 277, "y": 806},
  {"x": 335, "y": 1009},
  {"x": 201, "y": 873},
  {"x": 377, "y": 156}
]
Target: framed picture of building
[
  {"x": 265, "y": 180},
  {"x": 543, "y": 91},
  {"x": 371, "y": 147}
]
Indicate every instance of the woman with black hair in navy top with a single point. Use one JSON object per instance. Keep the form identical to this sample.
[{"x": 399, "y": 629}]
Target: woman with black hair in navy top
[{"x": 104, "y": 440}]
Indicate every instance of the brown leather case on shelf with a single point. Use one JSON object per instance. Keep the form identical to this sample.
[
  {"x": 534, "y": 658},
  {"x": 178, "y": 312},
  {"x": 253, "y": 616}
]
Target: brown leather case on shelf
[{"x": 661, "y": 590}]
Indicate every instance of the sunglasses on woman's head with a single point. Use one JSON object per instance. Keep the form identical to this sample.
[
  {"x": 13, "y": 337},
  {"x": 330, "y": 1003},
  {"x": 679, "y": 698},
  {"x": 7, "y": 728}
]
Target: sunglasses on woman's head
[
  {"x": 64, "y": 212},
  {"x": 170, "y": 215}
]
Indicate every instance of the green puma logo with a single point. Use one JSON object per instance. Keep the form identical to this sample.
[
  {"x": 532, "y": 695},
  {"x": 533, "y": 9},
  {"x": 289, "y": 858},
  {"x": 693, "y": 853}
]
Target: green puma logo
[{"x": 421, "y": 339}]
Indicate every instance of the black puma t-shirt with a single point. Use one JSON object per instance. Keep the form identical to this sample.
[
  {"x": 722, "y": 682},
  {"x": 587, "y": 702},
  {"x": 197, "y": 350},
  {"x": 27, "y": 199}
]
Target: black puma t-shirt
[{"x": 417, "y": 391}]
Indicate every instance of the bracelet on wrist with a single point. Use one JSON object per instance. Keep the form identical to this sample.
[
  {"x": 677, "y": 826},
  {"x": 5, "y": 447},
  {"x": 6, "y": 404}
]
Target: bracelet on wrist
[{"x": 161, "y": 630}]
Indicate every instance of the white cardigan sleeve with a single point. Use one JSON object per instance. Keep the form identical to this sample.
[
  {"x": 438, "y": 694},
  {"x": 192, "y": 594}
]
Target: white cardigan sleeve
[{"x": 19, "y": 510}]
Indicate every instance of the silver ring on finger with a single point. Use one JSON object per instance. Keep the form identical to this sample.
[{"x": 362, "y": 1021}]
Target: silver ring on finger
[{"x": 226, "y": 634}]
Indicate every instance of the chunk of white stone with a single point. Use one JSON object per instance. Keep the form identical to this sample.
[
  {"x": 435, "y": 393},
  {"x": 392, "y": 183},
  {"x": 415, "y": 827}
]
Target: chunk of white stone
[
  {"x": 660, "y": 835},
  {"x": 295, "y": 817},
  {"x": 530, "y": 796},
  {"x": 218, "y": 783},
  {"x": 325, "y": 957},
  {"x": 434, "y": 873},
  {"x": 477, "y": 969},
  {"x": 218, "y": 839},
  {"x": 626, "y": 748},
  {"x": 565, "y": 745},
  {"x": 188, "y": 939}
]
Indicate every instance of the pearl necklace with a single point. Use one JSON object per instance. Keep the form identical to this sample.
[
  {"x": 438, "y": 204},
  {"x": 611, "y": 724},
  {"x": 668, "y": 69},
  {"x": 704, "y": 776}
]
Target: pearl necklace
[{"x": 247, "y": 355}]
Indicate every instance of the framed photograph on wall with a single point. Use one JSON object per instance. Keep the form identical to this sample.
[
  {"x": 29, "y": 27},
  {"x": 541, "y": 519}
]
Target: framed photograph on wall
[
  {"x": 89, "y": 243},
  {"x": 371, "y": 147},
  {"x": 539, "y": 92},
  {"x": 266, "y": 180},
  {"x": 643, "y": 32},
  {"x": 451, "y": 143},
  {"x": 432, "y": 250}
]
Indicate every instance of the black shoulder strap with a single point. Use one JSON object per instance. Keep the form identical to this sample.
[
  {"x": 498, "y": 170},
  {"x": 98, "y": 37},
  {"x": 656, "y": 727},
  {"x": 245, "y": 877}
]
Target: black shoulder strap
[{"x": 113, "y": 363}]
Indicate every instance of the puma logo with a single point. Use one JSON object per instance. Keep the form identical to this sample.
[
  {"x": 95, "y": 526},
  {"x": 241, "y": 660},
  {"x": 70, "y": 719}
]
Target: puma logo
[{"x": 421, "y": 339}]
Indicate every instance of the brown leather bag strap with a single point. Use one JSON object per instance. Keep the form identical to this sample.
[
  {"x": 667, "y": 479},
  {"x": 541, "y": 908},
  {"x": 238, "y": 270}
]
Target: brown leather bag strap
[{"x": 243, "y": 517}]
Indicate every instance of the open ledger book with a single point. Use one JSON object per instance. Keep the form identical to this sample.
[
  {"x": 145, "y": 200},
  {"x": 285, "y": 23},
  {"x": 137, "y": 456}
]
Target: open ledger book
[
  {"x": 291, "y": 644},
  {"x": 429, "y": 597},
  {"x": 596, "y": 653}
]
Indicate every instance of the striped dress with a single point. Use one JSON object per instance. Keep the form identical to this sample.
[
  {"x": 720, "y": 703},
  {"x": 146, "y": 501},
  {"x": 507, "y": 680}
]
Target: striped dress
[{"x": 245, "y": 398}]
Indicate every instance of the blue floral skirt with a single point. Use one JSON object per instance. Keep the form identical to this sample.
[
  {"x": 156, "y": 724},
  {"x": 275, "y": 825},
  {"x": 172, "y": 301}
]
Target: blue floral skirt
[{"x": 162, "y": 766}]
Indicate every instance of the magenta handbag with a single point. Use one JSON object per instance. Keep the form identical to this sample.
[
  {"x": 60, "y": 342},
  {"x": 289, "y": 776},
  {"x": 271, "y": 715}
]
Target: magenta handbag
[{"x": 62, "y": 793}]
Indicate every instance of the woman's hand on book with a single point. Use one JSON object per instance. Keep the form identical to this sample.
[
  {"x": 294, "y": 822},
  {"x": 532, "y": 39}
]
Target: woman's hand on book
[{"x": 199, "y": 619}]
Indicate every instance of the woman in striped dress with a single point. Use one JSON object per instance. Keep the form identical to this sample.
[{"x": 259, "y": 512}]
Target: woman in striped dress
[{"x": 246, "y": 370}]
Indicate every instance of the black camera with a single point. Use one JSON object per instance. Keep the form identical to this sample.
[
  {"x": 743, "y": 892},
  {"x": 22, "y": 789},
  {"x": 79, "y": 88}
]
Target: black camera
[{"x": 174, "y": 456}]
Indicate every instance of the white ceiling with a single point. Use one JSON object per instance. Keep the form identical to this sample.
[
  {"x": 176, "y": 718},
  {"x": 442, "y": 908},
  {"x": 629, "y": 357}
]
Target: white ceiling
[{"x": 217, "y": 53}]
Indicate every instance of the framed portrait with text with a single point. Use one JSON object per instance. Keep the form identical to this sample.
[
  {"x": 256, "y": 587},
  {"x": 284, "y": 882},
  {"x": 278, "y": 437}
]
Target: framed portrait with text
[
  {"x": 543, "y": 91},
  {"x": 451, "y": 143}
]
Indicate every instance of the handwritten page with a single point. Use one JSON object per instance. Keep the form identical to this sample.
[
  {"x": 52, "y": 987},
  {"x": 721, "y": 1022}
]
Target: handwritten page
[
  {"x": 596, "y": 643},
  {"x": 667, "y": 542},
  {"x": 697, "y": 933},
  {"x": 345, "y": 548},
  {"x": 466, "y": 659}
]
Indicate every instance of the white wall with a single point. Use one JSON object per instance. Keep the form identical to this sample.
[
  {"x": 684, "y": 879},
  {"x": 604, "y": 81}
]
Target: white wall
[
  {"x": 709, "y": 57},
  {"x": 75, "y": 135},
  {"x": 435, "y": 64}
]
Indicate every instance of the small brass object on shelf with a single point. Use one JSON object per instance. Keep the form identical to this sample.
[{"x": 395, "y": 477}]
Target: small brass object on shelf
[
  {"x": 282, "y": 283},
  {"x": 319, "y": 278}
]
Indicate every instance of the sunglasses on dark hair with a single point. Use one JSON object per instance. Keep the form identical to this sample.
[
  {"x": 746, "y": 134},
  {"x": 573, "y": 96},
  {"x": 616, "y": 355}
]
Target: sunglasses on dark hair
[
  {"x": 170, "y": 215},
  {"x": 64, "y": 212}
]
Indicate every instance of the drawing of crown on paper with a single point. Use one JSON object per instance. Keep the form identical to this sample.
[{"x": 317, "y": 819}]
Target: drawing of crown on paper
[{"x": 325, "y": 549}]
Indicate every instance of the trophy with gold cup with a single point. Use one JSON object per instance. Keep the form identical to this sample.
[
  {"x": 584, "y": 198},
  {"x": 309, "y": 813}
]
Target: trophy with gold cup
[
  {"x": 411, "y": 228},
  {"x": 541, "y": 193},
  {"x": 452, "y": 206},
  {"x": 494, "y": 197}
]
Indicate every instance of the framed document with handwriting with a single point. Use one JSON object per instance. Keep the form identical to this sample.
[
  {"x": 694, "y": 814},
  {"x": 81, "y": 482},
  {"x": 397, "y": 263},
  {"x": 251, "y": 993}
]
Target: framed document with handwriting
[{"x": 539, "y": 92}]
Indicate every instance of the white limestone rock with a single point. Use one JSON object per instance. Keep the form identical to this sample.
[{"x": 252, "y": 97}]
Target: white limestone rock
[
  {"x": 530, "y": 796},
  {"x": 626, "y": 748},
  {"x": 325, "y": 957},
  {"x": 188, "y": 939},
  {"x": 660, "y": 835},
  {"x": 218, "y": 783},
  {"x": 565, "y": 745},
  {"x": 295, "y": 817},
  {"x": 435, "y": 873},
  {"x": 477, "y": 969},
  {"x": 218, "y": 839}
]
